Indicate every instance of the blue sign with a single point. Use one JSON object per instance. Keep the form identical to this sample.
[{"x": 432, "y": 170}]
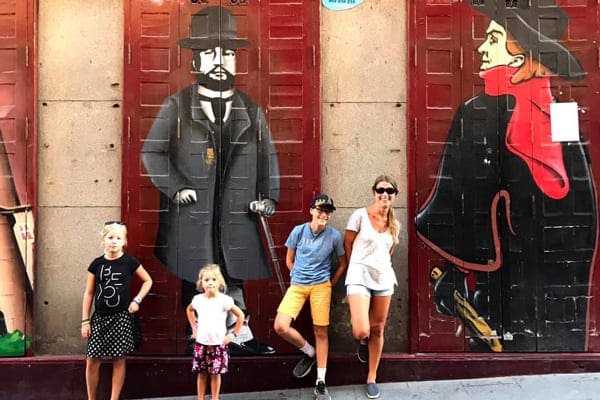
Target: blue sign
[{"x": 340, "y": 5}]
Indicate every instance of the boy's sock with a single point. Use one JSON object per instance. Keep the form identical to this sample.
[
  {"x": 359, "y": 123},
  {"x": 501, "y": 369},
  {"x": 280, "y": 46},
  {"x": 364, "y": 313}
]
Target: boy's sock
[
  {"x": 321, "y": 374},
  {"x": 308, "y": 349}
]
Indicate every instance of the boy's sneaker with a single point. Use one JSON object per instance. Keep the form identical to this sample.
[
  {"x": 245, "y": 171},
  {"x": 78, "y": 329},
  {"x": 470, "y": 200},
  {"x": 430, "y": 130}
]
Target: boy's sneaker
[
  {"x": 373, "y": 391},
  {"x": 303, "y": 367},
  {"x": 321, "y": 392},
  {"x": 362, "y": 352}
]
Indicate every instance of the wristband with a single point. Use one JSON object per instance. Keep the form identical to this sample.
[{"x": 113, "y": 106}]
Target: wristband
[
  {"x": 233, "y": 334},
  {"x": 137, "y": 299}
]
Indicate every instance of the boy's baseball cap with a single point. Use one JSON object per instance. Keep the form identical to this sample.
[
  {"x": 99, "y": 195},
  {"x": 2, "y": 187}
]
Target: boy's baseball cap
[{"x": 322, "y": 201}]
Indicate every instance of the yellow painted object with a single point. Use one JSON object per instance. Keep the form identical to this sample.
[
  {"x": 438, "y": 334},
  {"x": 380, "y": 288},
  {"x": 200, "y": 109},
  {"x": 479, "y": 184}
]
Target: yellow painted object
[{"x": 476, "y": 323}]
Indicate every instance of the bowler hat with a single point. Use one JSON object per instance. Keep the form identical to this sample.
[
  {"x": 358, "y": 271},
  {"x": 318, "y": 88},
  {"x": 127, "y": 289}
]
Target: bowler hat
[
  {"x": 538, "y": 30},
  {"x": 211, "y": 27}
]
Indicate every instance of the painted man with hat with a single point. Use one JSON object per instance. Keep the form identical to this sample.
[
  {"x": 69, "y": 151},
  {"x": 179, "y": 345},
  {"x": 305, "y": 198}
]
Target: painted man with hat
[
  {"x": 210, "y": 154},
  {"x": 512, "y": 212},
  {"x": 313, "y": 248}
]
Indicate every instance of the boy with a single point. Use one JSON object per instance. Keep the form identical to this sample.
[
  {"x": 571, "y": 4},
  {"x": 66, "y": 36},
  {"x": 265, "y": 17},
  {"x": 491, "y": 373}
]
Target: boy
[{"x": 309, "y": 250}]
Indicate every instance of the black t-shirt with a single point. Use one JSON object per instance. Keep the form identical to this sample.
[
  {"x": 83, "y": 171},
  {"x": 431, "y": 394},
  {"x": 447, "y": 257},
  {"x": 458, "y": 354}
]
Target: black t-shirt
[{"x": 113, "y": 278}]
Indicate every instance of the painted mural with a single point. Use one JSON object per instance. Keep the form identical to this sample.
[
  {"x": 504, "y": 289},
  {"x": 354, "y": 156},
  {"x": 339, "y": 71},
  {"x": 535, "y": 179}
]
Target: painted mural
[
  {"x": 16, "y": 189},
  {"x": 16, "y": 278},
  {"x": 517, "y": 262},
  {"x": 210, "y": 154},
  {"x": 220, "y": 103}
]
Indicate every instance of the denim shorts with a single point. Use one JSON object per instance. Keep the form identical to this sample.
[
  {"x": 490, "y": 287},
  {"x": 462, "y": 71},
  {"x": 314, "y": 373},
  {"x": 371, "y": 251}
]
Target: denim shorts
[{"x": 365, "y": 291}]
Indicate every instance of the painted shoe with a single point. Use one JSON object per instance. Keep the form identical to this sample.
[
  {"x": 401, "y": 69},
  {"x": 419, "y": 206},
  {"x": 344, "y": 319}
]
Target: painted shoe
[{"x": 246, "y": 345}]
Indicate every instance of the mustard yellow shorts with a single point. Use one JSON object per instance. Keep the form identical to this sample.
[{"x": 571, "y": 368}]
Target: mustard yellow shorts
[{"x": 320, "y": 302}]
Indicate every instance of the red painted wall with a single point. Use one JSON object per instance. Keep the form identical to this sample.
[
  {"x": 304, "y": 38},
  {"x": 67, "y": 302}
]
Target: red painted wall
[
  {"x": 18, "y": 175},
  {"x": 279, "y": 70},
  {"x": 444, "y": 73}
]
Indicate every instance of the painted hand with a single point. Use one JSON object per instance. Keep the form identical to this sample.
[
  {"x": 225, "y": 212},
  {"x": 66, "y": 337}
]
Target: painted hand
[
  {"x": 268, "y": 207},
  {"x": 185, "y": 196}
]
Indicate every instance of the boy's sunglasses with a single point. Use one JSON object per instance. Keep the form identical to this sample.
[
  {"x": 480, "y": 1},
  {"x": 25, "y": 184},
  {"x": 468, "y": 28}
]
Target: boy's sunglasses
[
  {"x": 323, "y": 210},
  {"x": 389, "y": 190},
  {"x": 114, "y": 222}
]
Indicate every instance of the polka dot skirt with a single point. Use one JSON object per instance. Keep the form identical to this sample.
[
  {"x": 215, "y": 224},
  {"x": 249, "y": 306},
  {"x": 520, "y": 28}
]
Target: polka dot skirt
[{"x": 112, "y": 335}]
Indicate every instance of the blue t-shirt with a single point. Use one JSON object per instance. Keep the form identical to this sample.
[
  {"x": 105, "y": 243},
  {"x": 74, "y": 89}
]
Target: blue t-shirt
[{"x": 312, "y": 264}]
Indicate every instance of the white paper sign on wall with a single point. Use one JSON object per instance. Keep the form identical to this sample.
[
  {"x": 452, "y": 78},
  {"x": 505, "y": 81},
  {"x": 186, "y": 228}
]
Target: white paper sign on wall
[
  {"x": 564, "y": 122},
  {"x": 340, "y": 5}
]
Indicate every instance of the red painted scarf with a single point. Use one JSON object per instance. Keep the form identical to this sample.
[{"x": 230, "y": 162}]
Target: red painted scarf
[{"x": 528, "y": 134}]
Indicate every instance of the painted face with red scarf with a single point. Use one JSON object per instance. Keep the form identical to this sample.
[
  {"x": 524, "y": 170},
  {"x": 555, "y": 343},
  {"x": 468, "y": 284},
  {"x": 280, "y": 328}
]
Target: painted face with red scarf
[{"x": 493, "y": 50}]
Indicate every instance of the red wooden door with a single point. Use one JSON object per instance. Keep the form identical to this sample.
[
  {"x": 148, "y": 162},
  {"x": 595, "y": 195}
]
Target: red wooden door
[
  {"x": 279, "y": 71},
  {"x": 17, "y": 169},
  {"x": 444, "y": 73}
]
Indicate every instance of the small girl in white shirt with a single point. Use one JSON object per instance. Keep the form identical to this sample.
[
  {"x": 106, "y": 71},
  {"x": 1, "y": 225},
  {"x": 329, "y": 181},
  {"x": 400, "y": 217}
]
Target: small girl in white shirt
[{"x": 207, "y": 315}]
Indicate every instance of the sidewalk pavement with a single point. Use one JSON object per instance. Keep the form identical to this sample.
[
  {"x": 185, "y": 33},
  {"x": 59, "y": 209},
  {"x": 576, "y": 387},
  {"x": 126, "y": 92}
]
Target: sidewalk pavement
[{"x": 528, "y": 387}]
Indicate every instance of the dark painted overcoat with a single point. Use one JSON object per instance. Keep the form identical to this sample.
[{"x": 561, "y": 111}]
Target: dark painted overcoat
[
  {"x": 181, "y": 151},
  {"x": 531, "y": 255}
]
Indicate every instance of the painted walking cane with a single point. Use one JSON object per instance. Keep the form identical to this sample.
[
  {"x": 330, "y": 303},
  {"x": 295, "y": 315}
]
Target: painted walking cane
[{"x": 256, "y": 206}]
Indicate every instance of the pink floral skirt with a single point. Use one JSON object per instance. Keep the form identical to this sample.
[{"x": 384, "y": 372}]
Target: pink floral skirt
[{"x": 210, "y": 359}]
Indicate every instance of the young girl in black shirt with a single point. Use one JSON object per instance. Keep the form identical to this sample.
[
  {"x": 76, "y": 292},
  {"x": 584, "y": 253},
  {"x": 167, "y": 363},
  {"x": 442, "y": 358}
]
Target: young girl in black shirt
[{"x": 110, "y": 329}]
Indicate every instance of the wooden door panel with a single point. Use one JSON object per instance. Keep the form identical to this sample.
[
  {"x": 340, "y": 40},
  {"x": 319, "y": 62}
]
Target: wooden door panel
[
  {"x": 278, "y": 70},
  {"x": 438, "y": 58},
  {"x": 529, "y": 300},
  {"x": 18, "y": 176}
]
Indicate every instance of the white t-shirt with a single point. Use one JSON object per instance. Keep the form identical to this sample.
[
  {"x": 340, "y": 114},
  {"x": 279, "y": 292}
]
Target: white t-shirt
[
  {"x": 370, "y": 261},
  {"x": 212, "y": 314}
]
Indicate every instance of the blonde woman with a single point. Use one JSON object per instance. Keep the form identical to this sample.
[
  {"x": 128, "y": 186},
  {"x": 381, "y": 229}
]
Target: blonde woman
[{"x": 370, "y": 238}]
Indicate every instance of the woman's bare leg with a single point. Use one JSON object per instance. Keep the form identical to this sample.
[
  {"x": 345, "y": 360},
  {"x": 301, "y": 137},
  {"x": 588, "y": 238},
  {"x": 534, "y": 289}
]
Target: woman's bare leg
[{"x": 378, "y": 313}]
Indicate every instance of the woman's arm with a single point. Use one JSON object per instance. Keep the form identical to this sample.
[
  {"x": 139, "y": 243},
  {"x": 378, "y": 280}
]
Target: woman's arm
[
  {"x": 86, "y": 307},
  {"x": 349, "y": 237},
  {"x": 339, "y": 273}
]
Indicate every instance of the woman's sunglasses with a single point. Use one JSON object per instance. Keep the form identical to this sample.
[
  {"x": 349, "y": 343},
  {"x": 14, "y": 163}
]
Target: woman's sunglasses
[{"x": 389, "y": 190}]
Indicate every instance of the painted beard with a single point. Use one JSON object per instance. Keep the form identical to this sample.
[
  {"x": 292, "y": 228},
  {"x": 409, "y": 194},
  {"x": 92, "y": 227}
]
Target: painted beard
[{"x": 216, "y": 85}]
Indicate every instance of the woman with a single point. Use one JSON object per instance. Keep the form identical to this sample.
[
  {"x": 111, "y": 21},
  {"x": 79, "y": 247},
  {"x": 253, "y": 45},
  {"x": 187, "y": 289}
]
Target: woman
[{"x": 370, "y": 238}]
